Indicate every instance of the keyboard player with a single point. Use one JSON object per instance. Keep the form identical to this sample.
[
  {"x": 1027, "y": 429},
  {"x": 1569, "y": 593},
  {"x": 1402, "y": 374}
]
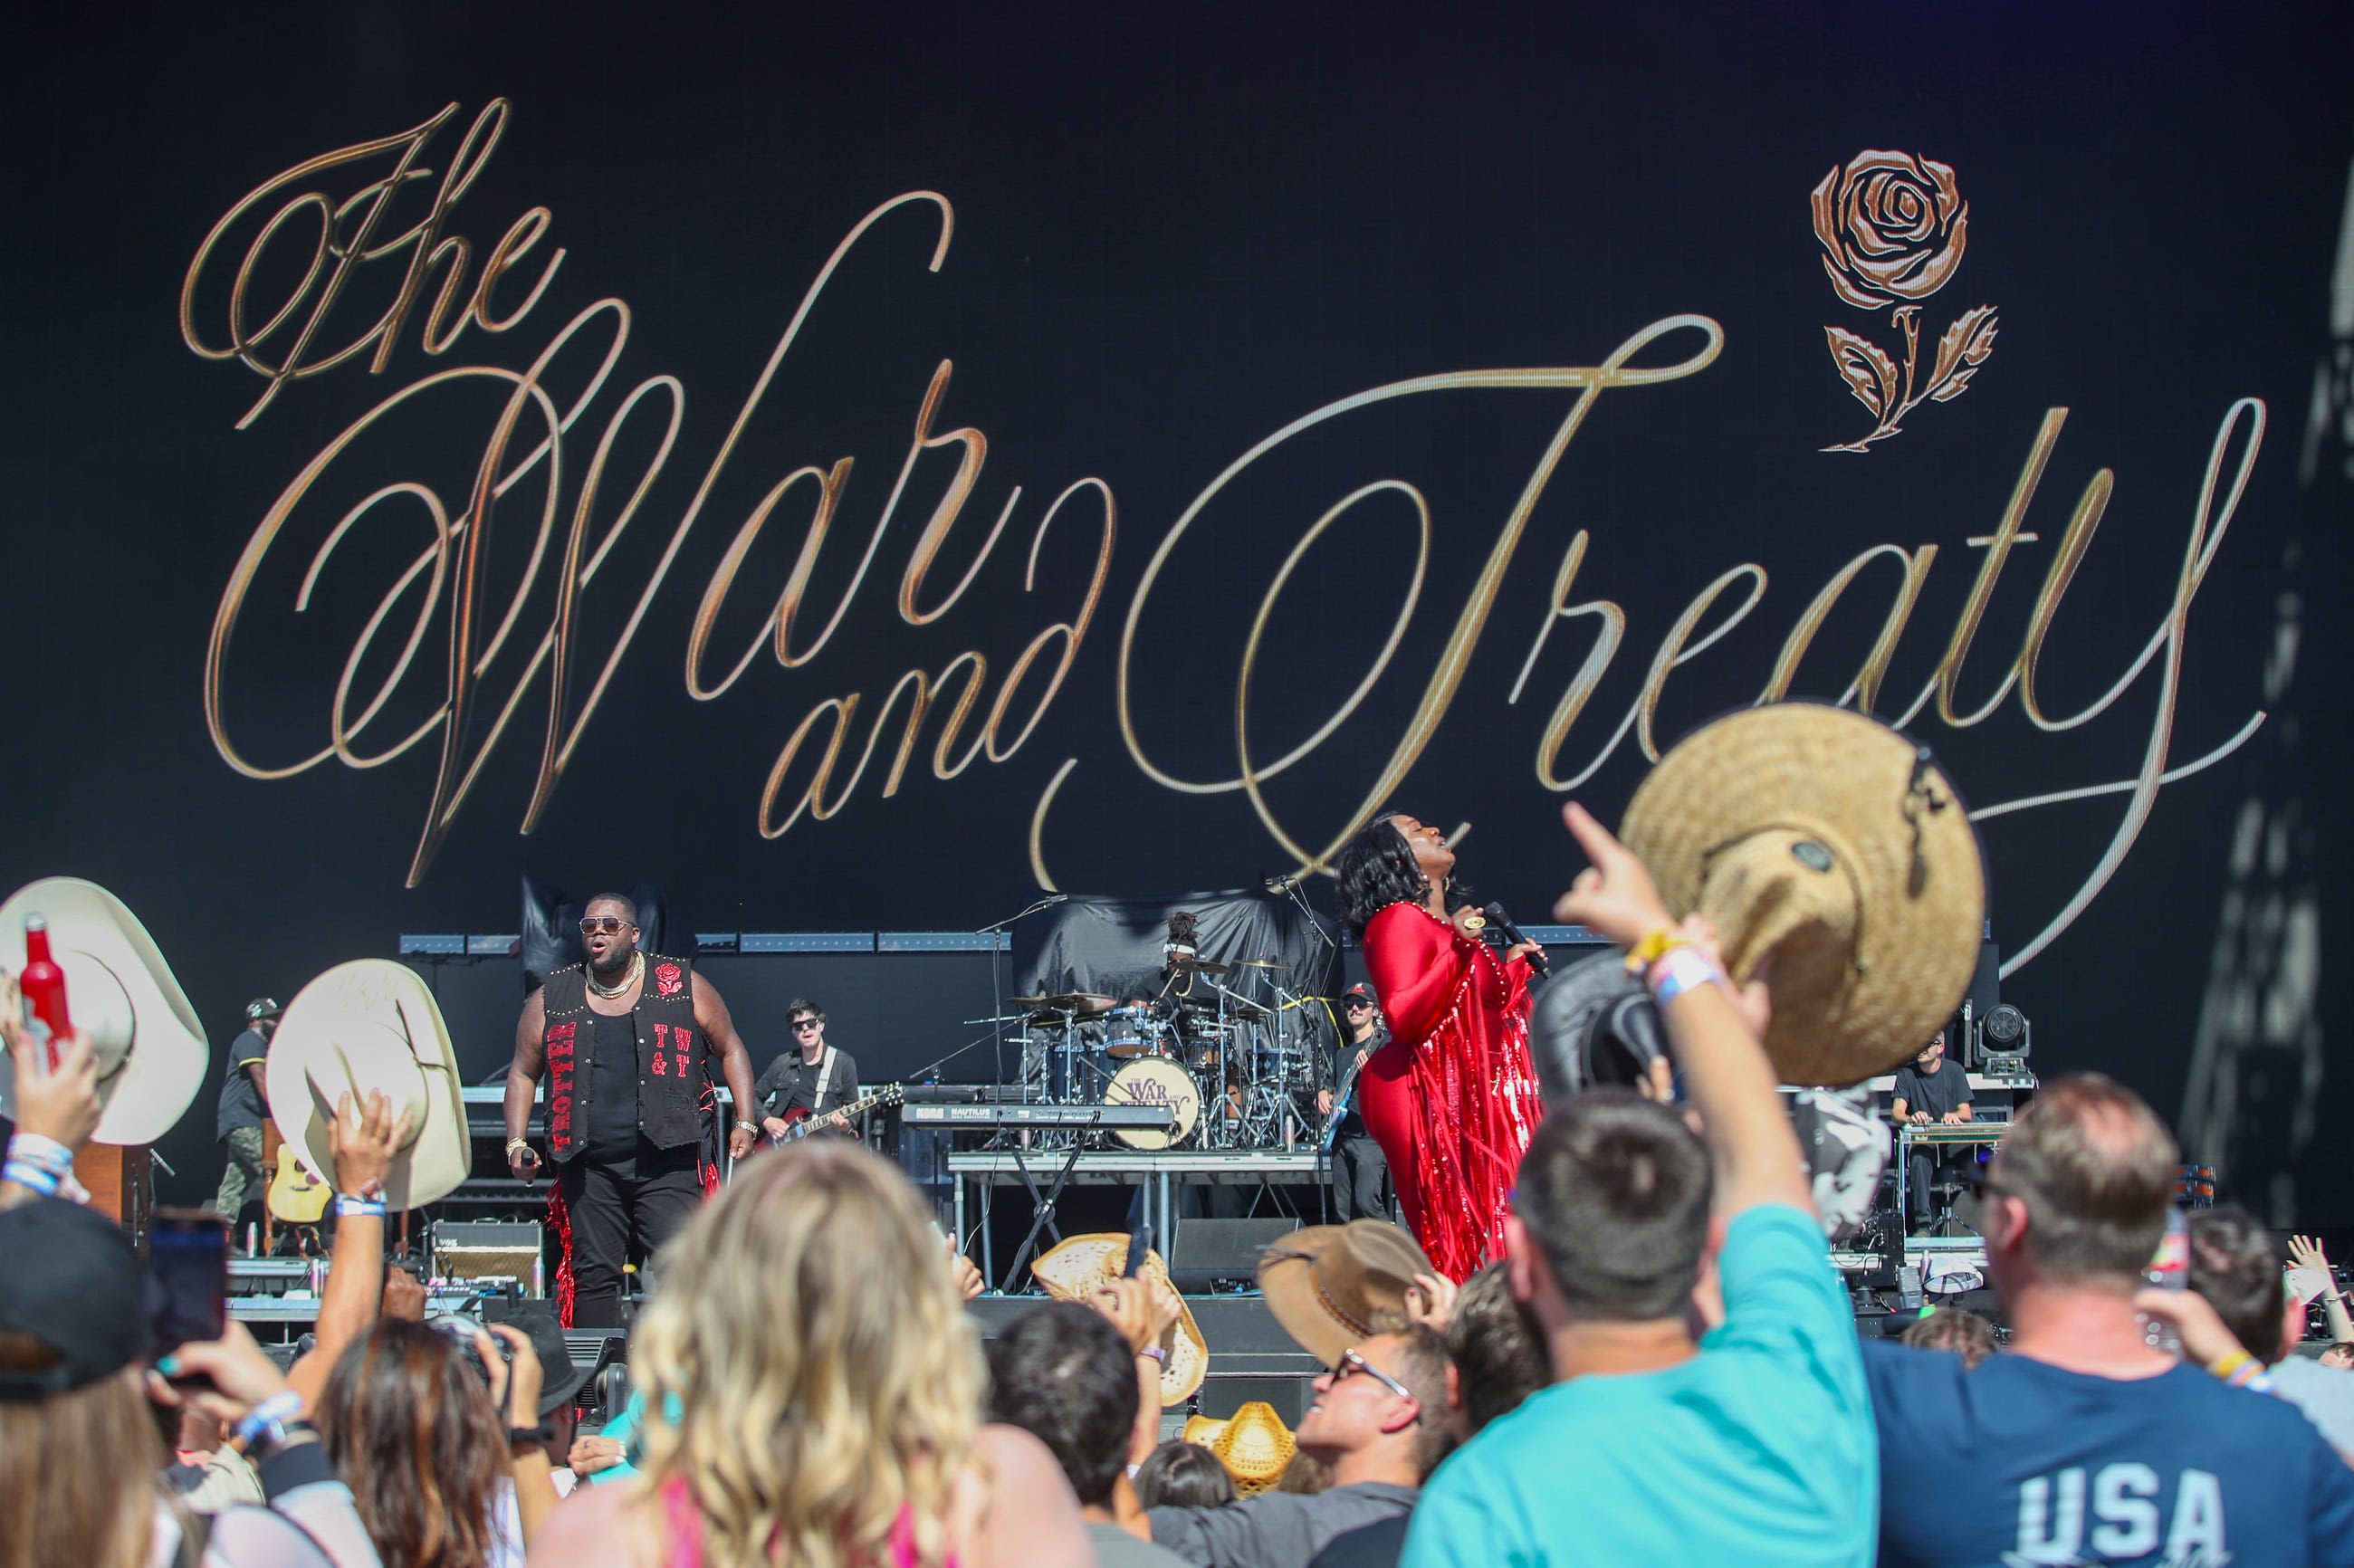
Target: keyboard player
[{"x": 1930, "y": 1091}]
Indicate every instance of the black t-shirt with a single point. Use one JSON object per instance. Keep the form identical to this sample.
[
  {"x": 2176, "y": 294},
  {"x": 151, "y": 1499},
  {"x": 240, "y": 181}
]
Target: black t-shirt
[
  {"x": 790, "y": 1083},
  {"x": 609, "y": 1121},
  {"x": 1947, "y": 1090},
  {"x": 240, "y": 1101},
  {"x": 1354, "y": 1124}
]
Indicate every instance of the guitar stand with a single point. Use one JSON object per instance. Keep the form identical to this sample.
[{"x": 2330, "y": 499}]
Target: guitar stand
[{"x": 1044, "y": 1217}]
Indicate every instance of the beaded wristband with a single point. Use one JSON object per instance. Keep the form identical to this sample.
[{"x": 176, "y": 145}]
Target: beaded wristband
[
  {"x": 1681, "y": 970},
  {"x": 348, "y": 1207},
  {"x": 29, "y": 1176}
]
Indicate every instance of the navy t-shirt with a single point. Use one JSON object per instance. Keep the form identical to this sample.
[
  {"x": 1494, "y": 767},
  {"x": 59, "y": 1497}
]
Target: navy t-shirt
[{"x": 2054, "y": 1467}]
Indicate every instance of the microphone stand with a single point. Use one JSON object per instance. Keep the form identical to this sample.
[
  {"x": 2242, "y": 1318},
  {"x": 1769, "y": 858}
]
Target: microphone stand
[{"x": 997, "y": 989}]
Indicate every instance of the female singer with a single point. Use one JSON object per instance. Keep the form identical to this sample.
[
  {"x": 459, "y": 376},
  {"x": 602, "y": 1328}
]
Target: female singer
[{"x": 1452, "y": 1099}]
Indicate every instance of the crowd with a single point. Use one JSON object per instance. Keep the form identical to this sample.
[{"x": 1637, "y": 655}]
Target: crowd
[{"x": 1661, "y": 1368}]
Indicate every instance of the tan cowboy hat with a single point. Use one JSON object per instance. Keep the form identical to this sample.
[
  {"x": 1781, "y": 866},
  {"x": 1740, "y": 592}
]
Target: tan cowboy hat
[
  {"x": 1253, "y": 1444},
  {"x": 372, "y": 1025},
  {"x": 1333, "y": 1286},
  {"x": 1081, "y": 1266},
  {"x": 152, "y": 1056},
  {"x": 1831, "y": 843}
]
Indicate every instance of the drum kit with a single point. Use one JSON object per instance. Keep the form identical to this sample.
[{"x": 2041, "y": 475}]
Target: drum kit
[{"x": 1235, "y": 1072}]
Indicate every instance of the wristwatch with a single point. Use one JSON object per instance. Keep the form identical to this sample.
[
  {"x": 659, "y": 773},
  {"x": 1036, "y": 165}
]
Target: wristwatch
[{"x": 531, "y": 1436}]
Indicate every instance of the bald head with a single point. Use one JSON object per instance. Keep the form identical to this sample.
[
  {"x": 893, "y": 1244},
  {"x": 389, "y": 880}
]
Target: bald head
[{"x": 2096, "y": 1168}]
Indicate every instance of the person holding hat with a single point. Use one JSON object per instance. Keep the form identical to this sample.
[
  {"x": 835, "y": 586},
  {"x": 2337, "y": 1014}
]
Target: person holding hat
[
  {"x": 80, "y": 1453},
  {"x": 1752, "y": 1446},
  {"x": 626, "y": 1041},
  {"x": 1453, "y": 1098},
  {"x": 1361, "y": 1175},
  {"x": 244, "y": 1103}
]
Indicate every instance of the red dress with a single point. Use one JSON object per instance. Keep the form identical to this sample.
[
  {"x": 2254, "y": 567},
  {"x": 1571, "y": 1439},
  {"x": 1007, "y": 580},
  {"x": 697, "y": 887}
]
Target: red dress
[{"x": 1452, "y": 1099}]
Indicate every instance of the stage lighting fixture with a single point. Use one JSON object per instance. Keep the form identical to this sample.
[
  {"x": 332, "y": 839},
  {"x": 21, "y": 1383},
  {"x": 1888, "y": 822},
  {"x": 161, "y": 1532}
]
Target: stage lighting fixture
[{"x": 2005, "y": 1042}]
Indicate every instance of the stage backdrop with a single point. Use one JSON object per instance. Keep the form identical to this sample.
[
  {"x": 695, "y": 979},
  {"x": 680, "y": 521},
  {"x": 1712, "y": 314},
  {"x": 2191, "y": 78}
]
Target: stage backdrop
[{"x": 864, "y": 469}]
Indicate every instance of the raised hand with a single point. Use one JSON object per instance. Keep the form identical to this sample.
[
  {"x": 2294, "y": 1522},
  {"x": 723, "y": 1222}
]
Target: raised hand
[
  {"x": 60, "y": 1106},
  {"x": 1614, "y": 897},
  {"x": 2305, "y": 1252},
  {"x": 363, "y": 1138},
  {"x": 1430, "y": 1301},
  {"x": 526, "y": 1376}
]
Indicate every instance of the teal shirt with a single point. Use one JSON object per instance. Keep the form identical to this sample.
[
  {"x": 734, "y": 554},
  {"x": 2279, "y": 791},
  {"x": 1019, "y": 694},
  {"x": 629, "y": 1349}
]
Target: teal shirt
[{"x": 1760, "y": 1450}]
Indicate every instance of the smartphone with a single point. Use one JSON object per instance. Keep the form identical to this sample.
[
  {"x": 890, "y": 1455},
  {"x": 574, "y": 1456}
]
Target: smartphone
[
  {"x": 1138, "y": 1246},
  {"x": 187, "y": 1279}
]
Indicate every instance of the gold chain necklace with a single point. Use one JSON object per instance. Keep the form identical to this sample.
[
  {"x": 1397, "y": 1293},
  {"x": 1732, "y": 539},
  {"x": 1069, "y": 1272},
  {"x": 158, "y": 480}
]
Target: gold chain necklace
[{"x": 637, "y": 967}]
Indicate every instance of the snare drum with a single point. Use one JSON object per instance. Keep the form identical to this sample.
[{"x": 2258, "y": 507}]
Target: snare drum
[{"x": 1155, "y": 1081}]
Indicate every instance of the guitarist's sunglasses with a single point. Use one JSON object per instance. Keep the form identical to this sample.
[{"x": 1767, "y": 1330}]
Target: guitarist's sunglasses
[{"x": 1355, "y": 1002}]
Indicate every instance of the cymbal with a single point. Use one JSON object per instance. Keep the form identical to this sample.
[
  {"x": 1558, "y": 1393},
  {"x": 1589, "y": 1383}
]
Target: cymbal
[
  {"x": 1082, "y": 1003},
  {"x": 1200, "y": 966},
  {"x": 1260, "y": 964},
  {"x": 1026, "y": 1002}
]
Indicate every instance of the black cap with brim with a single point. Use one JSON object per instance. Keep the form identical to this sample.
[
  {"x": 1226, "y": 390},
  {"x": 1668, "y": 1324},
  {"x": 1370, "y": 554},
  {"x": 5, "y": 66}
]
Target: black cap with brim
[
  {"x": 73, "y": 1288},
  {"x": 560, "y": 1377}
]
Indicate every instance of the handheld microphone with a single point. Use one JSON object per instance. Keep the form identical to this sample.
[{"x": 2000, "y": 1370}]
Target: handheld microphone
[{"x": 1503, "y": 922}]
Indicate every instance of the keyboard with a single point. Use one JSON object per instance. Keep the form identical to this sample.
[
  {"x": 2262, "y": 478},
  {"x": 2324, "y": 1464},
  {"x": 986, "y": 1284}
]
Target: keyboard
[{"x": 1150, "y": 1119}]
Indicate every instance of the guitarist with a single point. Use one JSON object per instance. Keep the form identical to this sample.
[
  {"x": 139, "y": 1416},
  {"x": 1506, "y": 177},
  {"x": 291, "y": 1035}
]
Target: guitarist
[
  {"x": 1361, "y": 1176},
  {"x": 809, "y": 1080}
]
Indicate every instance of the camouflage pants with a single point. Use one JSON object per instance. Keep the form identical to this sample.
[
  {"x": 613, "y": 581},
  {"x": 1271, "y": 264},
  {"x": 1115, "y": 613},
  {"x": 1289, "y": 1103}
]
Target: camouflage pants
[{"x": 243, "y": 1177}]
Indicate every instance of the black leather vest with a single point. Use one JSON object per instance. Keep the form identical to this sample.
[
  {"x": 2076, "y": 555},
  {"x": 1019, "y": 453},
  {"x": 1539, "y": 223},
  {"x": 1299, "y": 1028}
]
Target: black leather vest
[{"x": 671, "y": 1057}]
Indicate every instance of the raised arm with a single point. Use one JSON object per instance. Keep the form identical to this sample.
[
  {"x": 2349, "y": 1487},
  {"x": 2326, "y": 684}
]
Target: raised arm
[
  {"x": 735, "y": 1064},
  {"x": 364, "y": 1137},
  {"x": 1714, "y": 1032},
  {"x": 522, "y": 1084}
]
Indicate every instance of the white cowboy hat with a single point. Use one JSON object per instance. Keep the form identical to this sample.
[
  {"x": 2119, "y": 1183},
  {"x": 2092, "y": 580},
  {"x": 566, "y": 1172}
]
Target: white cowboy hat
[
  {"x": 152, "y": 1056},
  {"x": 372, "y": 1025}
]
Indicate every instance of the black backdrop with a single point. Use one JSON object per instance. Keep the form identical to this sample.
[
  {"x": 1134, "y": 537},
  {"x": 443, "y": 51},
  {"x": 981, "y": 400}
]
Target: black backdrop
[{"x": 1176, "y": 234}]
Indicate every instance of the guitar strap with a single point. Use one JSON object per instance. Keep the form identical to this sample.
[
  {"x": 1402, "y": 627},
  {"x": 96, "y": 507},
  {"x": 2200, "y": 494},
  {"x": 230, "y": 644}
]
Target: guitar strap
[{"x": 824, "y": 1080}]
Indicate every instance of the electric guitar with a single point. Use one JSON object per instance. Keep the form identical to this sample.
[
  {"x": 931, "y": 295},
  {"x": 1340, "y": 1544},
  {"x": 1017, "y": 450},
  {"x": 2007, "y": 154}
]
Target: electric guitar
[
  {"x": 296, "y": 1197},
  {"x": 799, "y": 1123},
  {"x": 1342, "y": 1101}
]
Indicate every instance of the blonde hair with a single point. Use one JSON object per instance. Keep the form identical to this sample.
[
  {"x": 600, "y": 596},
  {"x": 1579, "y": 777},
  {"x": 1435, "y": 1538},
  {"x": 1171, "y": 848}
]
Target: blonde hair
[
  {"x": 77, "y": 1476},
  {"x": 807, "y": 1365}
]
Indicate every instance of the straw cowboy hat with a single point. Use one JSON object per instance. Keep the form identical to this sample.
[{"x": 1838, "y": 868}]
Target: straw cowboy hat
[
  {"x": 372, "y": 1025},
  {"x": 1829, "y": 843},
  {"x": 152, "y": 1056},
  {"x": 1331, "y": 1287},
  {"x": 1253, "y": 1444},
  {"x": 1081, "y": 1266}
]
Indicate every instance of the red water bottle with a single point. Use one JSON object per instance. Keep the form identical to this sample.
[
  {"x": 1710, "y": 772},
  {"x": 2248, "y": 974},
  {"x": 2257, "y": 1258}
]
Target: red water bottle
[{"x": 42, "y": 987}]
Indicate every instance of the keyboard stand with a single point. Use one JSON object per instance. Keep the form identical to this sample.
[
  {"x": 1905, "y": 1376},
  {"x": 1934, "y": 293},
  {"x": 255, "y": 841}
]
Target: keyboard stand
[{"x": 1044, "y": 1216}]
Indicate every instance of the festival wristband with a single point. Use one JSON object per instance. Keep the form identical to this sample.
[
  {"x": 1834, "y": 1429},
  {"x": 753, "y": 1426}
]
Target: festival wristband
[
  {"x": 42, "y": 1153},
  {"x": 279, "y": 1408},
  {"x": 1682, "y": 970},
  {"x": 1653, "y": 948},
  {"x": 348, "y": 1207},
  {"x": 31, "y": 1177},
  {"x": 1156, "y": 1352}
]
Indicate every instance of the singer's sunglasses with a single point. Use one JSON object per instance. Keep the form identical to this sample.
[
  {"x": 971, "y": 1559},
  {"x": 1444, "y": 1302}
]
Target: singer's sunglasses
[{"x": 606, "y": 923}]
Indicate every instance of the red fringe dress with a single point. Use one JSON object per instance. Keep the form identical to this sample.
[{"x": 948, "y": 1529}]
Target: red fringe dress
[{"x": 1452, "y": 1099}]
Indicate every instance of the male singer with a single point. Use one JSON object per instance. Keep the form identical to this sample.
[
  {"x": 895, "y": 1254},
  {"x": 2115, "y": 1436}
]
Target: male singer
[{"x": 624, "y": 1040}]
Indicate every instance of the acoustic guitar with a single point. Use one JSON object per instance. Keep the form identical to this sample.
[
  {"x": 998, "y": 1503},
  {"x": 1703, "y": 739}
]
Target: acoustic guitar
[
  {"x": 799, "y": 1124},
  {"x": 296, "y": 1197}
]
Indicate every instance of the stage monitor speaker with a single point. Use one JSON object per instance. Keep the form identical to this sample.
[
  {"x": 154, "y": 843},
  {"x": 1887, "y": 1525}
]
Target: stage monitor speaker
[
  {"x": 491, "y": 1249},
  {"x": 1205, "y": 1254}
]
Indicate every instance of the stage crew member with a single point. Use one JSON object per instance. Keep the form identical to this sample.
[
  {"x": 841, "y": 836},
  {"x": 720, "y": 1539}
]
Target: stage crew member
[
  {"x": 1452, "y": 1099},
  {"x": 1930, "y": 1089},
  {"x": 808, "y": 1080},
  {"x": 625, "y": 1041},
  {"x": 1359, "y": 1175},
  {"x": 244, "y": 1104}
]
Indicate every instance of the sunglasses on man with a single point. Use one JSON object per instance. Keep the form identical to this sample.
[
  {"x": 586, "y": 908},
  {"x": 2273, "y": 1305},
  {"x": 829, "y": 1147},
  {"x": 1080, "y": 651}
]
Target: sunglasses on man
[
  {"x": 610, "y": 924},
  {"x": 1352, "y": 1364}
]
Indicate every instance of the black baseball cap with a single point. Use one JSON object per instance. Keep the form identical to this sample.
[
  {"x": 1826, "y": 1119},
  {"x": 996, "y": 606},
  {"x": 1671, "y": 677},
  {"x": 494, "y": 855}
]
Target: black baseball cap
[
  {"x": 73, "y": 1287},
  {"x": 1358, "y": 992},
  {"x": 263, "y": 1007}
]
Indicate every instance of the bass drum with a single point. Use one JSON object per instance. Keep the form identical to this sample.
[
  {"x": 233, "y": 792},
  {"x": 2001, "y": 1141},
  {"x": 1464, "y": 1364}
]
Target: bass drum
[{"x": 1156, "y": 1081}]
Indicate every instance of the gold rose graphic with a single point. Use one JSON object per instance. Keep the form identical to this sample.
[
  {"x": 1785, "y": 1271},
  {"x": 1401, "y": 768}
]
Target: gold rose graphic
[{"x": 1892, "y": 228}]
